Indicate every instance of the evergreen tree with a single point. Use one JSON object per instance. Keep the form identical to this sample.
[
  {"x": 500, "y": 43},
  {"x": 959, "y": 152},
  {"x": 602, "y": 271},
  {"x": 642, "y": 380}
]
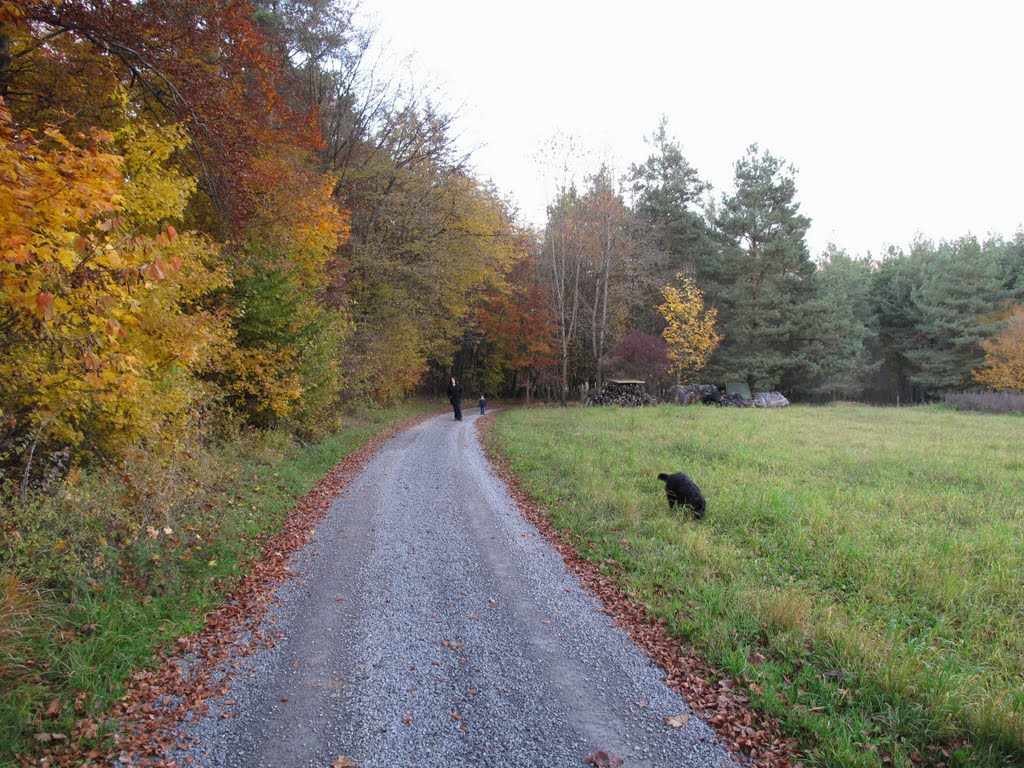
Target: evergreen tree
[
  {"x": 759, "y": 276},
  {"x": 670, "y": 234},
  {"x": 840, "y": 326},
  {"x": 897, "y": 318},
  {"x": 668, "y": 194},
  {"x": 958, "y": 297}
]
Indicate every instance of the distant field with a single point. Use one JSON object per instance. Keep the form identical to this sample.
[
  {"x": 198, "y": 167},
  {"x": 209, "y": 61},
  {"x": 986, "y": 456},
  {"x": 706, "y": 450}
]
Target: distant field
[{"x": 875, "y": 556}]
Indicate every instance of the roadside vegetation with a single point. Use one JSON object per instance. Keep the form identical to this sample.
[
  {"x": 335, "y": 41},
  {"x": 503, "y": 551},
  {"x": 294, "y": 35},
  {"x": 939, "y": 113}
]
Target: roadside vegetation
[
  {"x": 859, "y": 571},
  {"x": 125, "y": 559}
]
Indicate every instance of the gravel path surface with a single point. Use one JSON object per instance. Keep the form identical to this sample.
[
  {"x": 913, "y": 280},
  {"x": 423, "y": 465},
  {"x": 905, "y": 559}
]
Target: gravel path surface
[{"x": 430, "y": 625}]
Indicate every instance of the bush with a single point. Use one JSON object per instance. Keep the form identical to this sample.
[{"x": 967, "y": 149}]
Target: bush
[{"x": 987, "y": 401}]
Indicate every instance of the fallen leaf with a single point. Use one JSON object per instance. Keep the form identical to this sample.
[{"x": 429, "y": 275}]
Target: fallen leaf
[
  {"x": 343, "y": 762},
  {"x": 726, "y": 684},
  {"x": 452, "y": 644},
  {"x": 677, "y": 721},
  {"x": 53, "y": 708},
  {"x": 757, "y": 658},
  {"x": 604, "y": 760}
]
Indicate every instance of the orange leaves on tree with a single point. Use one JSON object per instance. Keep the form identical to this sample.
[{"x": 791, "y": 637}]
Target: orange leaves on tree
[
  {"x": 1004, "y": 356},
  {"x": 202, "y": 63},
  {"x": 298, "y": 218},
  {"x": 519, "y": 324}
]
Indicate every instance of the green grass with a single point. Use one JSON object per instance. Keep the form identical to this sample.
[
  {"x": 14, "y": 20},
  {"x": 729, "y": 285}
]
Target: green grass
[
  {"x": 874, "y": 556},
  {"x": 82, "y": 639}
]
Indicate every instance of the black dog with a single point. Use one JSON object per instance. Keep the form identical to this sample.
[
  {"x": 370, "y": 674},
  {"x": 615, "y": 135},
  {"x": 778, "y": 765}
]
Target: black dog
[{"x": 680, "y": 489}]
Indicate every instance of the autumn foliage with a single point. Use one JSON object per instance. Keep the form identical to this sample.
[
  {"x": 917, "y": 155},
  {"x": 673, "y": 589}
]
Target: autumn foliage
[
  {"x": 1004, "y": 356},
  {"x": 689, "y": 328},
  {"x": 99, "y": 326},
  {"x": 216, "y": 232},
  {"x": 517, "y": 323},
  {"x": 191, "y": 236}
]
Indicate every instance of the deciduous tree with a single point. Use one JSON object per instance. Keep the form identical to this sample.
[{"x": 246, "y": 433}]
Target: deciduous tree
[
  {"x": 517, "y": 323},
  {"x": 100, "y": 322},
  {"x": 689, "y": 328},
  {"x": 1004, "y": 355}
]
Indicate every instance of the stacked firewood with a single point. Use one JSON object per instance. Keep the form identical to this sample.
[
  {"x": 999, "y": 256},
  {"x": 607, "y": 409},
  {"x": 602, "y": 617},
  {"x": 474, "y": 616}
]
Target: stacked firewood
[{"x": 626, "y": 395}]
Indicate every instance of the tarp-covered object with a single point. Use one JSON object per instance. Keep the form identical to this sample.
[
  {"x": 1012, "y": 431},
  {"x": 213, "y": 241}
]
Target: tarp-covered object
[
  {"x": 770, "y": 400},
  {"x": 734, "y": 400},
  {"x": 738, "y": 388},
  {"x": 688, "y": 394}
]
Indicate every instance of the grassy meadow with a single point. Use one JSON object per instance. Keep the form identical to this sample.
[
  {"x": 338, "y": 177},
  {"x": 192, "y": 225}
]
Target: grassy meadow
[{"x": 860, "y": 570}]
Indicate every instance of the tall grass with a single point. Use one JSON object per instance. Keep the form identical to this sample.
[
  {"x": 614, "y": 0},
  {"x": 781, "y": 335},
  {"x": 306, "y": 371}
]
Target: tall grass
[{"x": 874, "y": 556}]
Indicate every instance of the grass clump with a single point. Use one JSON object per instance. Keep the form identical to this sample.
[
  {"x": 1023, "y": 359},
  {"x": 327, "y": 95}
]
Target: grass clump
[
  {"x": 111, "y": 564},
  {"x": 874, "y": 556}
]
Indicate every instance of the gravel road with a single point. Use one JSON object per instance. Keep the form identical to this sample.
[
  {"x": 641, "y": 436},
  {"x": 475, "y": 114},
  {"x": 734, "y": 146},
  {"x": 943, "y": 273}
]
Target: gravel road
[{"x": 430, "y": 625}]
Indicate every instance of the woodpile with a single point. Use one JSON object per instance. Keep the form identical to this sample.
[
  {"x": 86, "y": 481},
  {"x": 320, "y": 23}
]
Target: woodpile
[{"x": 628, "y": 394}]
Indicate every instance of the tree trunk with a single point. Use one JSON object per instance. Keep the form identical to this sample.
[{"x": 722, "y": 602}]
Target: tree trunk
[{"x": 5, "y": 62}]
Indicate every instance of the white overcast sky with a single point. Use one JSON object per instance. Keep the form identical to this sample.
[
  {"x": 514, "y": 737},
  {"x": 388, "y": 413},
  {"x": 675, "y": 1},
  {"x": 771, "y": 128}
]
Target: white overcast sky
[{"x": 901, "y": 118}]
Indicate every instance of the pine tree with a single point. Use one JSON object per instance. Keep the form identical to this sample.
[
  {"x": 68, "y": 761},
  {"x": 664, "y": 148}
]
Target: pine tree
[{"x": 759, "y": 276}]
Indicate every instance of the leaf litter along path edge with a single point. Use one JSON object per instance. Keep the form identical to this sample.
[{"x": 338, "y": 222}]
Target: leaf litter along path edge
[{"x": 160, "y": 701}]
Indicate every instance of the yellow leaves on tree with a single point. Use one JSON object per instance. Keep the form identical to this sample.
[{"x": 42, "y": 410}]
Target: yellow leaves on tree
[
  {"x": 479, "y": 248},
  {"x": 444, "y": 242},
  {"x": 1004, "y": 356},
  {"x": 284, "y": 364},
  {"x": 92, "y": 285},
  {"x": 690, "y": 329}
]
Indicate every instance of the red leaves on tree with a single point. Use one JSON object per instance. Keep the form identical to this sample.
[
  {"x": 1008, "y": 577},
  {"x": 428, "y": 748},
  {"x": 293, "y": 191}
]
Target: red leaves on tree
[{"x": 206, "y": 64}]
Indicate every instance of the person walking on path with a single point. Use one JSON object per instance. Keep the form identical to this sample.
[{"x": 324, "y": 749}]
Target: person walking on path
[
  {"x": 455, "y": 397},
  {"x": 483, "y": 404}
]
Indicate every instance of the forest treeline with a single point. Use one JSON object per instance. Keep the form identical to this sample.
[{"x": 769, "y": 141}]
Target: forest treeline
[
  {"x": 218, "y": 214},
  {"x": 905, "y": 326}
]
